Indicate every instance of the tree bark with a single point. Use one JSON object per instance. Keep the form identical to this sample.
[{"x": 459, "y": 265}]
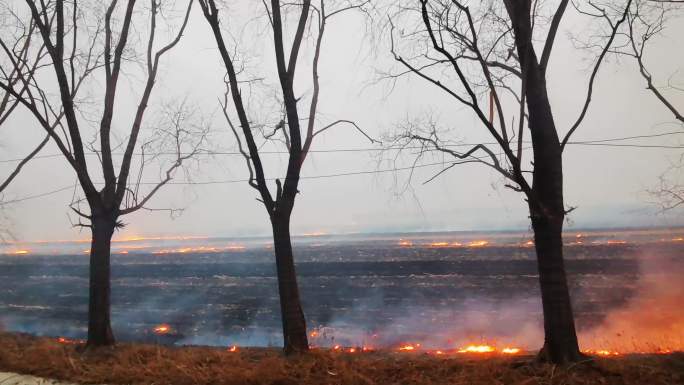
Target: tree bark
[
  {"x": 99, "y": 319},
  {"x": 294, "y": 325},
  {"x": 547, "y": 213},
  {"x": 560, "y": 338}
]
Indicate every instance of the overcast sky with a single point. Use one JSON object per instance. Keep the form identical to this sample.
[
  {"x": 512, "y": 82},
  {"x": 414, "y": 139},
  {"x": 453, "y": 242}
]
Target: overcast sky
[{"x": 608, "y": 184}]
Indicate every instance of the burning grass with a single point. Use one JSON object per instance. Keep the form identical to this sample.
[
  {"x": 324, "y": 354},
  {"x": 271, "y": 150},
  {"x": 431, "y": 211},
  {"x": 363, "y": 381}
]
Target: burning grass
[{"x": 148, "y": 364}]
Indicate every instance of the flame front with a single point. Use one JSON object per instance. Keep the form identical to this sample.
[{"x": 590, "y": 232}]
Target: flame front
[
  {"x": 162, "y": 329},
  {"x": 477, "y": 349},
  {"x": 409, "y": 347}
]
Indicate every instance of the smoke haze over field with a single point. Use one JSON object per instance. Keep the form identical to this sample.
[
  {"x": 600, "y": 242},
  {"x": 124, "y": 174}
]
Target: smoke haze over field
[{"x": 438, "y": 290}]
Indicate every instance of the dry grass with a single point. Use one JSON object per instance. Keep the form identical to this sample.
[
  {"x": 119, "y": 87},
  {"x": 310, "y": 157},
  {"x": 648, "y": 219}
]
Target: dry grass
[{"x": 150, "y": 364}]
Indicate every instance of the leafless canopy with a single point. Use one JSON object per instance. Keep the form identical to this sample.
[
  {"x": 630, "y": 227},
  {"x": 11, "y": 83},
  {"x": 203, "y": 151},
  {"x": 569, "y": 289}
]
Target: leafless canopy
[
  {"x": 468, "y": 51},
  {"x": 62, "y": 46},
  {"x": 296, "y": 136},
  {"x": 23, "y": 61},
  {"x": 646, "y": 22}
]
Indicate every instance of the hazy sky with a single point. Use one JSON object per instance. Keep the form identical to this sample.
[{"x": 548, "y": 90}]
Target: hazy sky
[{"x": 607, "y": 184}]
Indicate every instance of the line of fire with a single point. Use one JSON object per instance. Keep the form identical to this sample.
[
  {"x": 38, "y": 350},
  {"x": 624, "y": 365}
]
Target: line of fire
[{"x": 341, "y": 191}]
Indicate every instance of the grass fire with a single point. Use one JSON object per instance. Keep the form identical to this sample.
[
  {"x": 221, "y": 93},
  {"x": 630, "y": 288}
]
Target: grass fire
[{"x": 419, "y": 192}]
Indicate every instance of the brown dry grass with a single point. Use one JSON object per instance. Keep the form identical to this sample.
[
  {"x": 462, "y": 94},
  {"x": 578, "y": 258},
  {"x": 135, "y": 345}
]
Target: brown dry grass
[{"x": 150, "y": 364}]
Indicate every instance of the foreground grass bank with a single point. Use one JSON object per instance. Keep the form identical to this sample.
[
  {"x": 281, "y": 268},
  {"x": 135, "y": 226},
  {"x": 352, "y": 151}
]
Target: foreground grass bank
[{"x": 151, "y": 364}]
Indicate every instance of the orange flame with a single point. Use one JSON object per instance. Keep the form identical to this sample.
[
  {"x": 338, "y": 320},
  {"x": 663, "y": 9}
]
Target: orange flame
[
  {"x": 233, "y": 349},
  {"x": 67, "y": 341},
  {"x": 199, "y": 249},
  {"x": 604, "y": 353},
  {"x": 409, "y": 347},
  {"x": 510, "y": 350},
  {"x": 477, "y": 349},
  {"x": 162, "y": 329}
]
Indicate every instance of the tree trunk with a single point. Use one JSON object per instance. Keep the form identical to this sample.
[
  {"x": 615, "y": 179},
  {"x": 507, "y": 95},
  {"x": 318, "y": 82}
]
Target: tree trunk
[
  {"x": 99, "y": 322},
  {"x": 560, "y": 338},
  {"x": 547, "y": 213},
  {"x": 294, "y": 325}
]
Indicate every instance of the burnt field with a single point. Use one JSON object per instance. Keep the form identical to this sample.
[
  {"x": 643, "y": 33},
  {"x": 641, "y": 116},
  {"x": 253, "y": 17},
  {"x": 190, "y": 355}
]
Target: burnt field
[{"x": 355, "y": 291}]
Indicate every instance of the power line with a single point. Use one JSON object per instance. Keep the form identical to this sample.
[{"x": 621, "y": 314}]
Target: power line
[
  {"x": 36, "y": 196},
  {"x": 666, "y": 147},
  {"x": 596, "y": 142},
  {"x": 351, "y": 173}
]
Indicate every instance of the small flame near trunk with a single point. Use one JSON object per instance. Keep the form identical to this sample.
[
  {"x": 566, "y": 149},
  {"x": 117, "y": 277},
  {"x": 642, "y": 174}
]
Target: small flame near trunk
[{"x": 162, "y": 329}]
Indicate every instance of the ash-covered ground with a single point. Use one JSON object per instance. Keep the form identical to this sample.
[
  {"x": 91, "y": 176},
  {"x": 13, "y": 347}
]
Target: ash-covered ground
[{"x": 376, "y": 290}]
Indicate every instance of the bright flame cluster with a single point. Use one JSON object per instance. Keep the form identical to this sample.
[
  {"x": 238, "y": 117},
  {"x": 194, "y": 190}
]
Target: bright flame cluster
[
  {"x": 467, "y": 349},
  {"x": 162, "y": 329}
]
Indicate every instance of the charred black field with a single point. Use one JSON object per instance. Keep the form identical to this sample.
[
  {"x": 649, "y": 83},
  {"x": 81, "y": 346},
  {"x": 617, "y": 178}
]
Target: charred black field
[{"x": 439, "y": 290}]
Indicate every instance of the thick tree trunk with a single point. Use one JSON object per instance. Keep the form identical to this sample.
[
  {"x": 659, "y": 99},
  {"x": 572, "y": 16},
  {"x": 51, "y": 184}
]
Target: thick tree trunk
[
  {"x": 560, "y": 339},
  {"x": 99, "y": 322},
  {"x": 547, "y": 213},
  {"x": 294, "y": 325}
]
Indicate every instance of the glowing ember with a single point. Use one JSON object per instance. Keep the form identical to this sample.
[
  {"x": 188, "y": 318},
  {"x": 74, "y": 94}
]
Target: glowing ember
[
  {"x": 200, "y": 249},
  {"x": 529, "y": 243},
  {"x": 233, "y": 348},
  {"x": 409, "y": 347},
  {"x": 478, "y": 243},
  {"x": 336, "y": 347},
  {"x": 477, "y": 349},
  {"x": 609, "y": 242},
  {"x": 315, "y": 234},
  {"x": 351, "y": 350},
  {"x": 605, "y": 353},
  {"x": 162, "y": 329},
  {"x": 67, "y": 341}
]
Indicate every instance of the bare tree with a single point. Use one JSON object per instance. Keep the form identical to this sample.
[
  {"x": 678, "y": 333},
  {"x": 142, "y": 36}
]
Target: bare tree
[
  {"x": 296, "y": 138},
  {"x": 22, "y": 61},
  {"x": 498, "y": 53},
  {"x": 84, "y": 39},
  {"x": 646, "y": 21}
]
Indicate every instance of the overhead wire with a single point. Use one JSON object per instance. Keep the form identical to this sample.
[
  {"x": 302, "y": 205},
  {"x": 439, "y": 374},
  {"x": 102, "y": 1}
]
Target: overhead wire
[{"x": 606, "y": 142}]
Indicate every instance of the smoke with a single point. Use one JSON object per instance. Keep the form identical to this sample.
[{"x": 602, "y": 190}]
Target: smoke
[
  {"x": 650, "y": 321},
  {"x": 477, "y": 320},
  {"x": 379, "y": 297}
]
